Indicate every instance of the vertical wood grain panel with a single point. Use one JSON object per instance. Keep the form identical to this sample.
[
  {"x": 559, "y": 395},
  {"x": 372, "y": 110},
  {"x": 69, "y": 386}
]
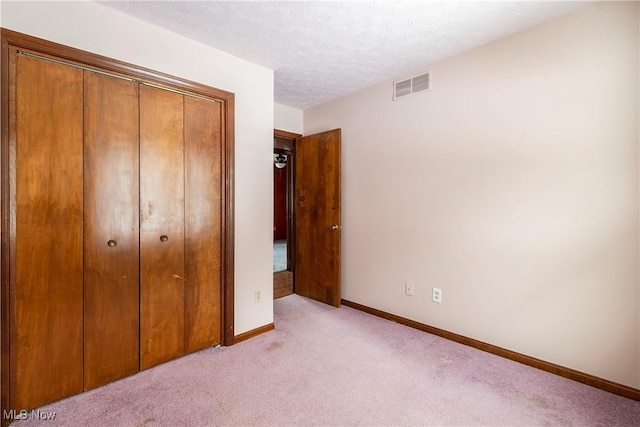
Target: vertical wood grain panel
[
  {"x": 161, "y": 214},
  {"x": 111, "y": 212},
  {"x": 46, "y": 300},
  {"x": 203, "y": 222},
  {"x": 318, "y": 207}
]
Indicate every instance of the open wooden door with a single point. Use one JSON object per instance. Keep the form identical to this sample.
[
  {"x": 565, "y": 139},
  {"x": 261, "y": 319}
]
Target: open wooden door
[{"x": 317, "y": 217}]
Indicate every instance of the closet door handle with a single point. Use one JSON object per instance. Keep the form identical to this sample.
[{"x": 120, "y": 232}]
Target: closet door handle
[
  {"x": 112, "y": 243},
  {"x": 164, "y": 238}
]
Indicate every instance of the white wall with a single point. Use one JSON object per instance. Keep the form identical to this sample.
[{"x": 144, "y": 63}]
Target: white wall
[
  {"x": 99, "y": 29},
  {"x": 287, "y": 118},
  {"x": 513, "y": 186}
]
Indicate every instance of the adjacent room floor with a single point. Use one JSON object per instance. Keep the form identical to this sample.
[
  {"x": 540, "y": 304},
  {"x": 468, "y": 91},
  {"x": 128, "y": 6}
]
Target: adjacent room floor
[{"x": 279, "y": 255}]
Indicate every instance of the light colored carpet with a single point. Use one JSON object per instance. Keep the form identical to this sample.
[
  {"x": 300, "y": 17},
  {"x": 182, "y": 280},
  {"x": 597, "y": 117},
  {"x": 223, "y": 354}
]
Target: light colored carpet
[{"x": 328, "y": 366}]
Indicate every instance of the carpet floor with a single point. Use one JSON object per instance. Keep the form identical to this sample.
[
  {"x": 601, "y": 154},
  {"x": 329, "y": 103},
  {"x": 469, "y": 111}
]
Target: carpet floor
[{"x": 328, "y": 366}]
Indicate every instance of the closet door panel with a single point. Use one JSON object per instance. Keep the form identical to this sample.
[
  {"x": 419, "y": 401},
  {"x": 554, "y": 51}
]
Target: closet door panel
[
  {"x": 46, "y": 211},
  {"x": 203, "y": 161},
  {"x": 161, "y": 226},
  {"x": 111, "y": 218}
]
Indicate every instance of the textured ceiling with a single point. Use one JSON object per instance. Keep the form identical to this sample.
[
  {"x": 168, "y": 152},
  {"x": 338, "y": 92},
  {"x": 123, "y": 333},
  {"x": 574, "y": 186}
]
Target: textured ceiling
[{"x": 322, "y": 50}]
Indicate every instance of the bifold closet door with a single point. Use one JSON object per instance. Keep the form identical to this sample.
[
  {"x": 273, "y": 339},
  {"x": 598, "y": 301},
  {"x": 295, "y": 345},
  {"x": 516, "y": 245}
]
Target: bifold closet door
[
  {"x": 111, "y": 218},
  {"x": 46, "y": 169},
  {"x": 161, "y": 226},
  {"x": 203, "y": 222}
]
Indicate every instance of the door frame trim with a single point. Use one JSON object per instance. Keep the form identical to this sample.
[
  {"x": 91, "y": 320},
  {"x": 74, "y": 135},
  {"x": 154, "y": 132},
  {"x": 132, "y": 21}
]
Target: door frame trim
[
  {"x": 291, "y": 136},
  {"x": 14, "y": 40}
]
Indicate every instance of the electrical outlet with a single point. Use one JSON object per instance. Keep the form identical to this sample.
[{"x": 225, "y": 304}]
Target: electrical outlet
[
  {"x": 436, "y": 295},
  {"x": 408, "y": 288},
  {"x": 258, "y": 295}
]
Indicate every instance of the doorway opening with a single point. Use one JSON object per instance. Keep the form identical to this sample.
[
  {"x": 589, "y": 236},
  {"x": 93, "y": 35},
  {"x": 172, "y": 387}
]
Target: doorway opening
[{"x": 283, "y": 212}]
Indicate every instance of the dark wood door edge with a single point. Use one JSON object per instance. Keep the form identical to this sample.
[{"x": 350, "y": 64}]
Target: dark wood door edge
[
  {"x": 254, "y": 333},
  {"x": 581, "y": 377}
]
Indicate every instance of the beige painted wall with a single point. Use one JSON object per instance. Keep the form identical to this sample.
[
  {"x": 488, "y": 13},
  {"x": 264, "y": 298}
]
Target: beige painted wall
[
  {"x": 512, "y": 185},
  {"x": 96, "y": 28},
  {"x": 287, "y": 118}
]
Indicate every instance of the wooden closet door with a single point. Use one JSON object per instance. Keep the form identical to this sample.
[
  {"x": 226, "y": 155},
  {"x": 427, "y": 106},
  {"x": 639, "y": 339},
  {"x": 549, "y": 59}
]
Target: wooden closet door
[
  {"x": 161, "y": 226},
  {"x": 203, "y": 223},
  {"x": 46, "y": 231},
  {"x": 111, "y": 218}
]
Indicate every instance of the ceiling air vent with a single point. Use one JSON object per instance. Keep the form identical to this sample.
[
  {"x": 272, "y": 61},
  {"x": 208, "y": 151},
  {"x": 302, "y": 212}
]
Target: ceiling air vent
[{"x": 411, "y": 85}]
